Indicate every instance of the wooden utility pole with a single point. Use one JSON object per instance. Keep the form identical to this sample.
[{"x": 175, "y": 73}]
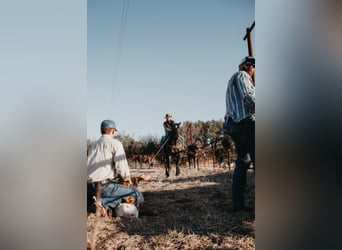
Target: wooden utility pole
[{"x": 248, "y": 36}]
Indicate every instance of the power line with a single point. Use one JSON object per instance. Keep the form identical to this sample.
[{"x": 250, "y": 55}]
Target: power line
[
  {"x": 122, "y": 32},
  {"x": 122, "y": 29},
  {"x": 117, "y": 58}
]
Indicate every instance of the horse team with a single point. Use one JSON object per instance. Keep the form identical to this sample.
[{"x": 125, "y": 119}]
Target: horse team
[{"x": 174, "y": 149}]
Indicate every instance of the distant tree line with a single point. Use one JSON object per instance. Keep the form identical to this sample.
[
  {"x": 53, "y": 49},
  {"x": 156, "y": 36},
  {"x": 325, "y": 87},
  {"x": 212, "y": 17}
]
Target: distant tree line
[{"x": 207, "y": 132}]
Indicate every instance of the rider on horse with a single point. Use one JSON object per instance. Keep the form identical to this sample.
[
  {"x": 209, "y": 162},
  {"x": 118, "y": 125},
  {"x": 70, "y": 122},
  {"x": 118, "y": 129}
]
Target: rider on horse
[
  {"x": 168, "y": 125},
  {"x": 173, "y": 144}
]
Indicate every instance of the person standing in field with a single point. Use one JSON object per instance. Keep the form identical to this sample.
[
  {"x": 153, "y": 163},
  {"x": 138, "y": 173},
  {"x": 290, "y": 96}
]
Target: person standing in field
[{"x": 240, "y": 125}]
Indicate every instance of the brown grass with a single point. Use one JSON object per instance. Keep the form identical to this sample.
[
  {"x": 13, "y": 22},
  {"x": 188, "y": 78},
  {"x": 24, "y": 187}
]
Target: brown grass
[{"x": 191, "y": 211}]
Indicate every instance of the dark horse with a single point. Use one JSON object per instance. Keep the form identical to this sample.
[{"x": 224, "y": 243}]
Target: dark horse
[
  {"x": 193, "y": 155},
  {"x": 172, "y": 149}
]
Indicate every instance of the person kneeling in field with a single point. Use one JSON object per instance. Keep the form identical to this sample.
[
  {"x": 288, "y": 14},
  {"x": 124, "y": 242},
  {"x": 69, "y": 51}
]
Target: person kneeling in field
[{"x": 106, "y": 163}]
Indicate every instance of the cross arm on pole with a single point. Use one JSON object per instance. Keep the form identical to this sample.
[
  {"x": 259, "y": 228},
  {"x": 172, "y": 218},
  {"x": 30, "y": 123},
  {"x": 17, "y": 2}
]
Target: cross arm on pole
[
  {"x": 249, "y": 30},
  {"x": 248, "y": 36}
]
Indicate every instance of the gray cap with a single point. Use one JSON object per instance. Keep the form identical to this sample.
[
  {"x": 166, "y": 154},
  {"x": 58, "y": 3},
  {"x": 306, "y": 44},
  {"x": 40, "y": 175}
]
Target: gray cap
[{"x": 108, "y": 124}]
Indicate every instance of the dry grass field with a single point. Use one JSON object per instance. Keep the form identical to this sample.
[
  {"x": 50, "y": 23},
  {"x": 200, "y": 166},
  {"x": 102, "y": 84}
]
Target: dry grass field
[{"x": 191, "y": 211}]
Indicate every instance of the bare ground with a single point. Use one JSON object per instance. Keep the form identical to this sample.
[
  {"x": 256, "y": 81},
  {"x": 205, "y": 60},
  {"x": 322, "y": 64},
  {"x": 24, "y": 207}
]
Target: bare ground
[{"x": 191, "y": 211}]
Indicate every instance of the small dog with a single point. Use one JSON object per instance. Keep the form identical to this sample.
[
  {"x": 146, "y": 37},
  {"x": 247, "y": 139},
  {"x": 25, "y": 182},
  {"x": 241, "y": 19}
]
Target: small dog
[
  {"x": 127, "y": 210},
  {"x": 134, "y": 180}
]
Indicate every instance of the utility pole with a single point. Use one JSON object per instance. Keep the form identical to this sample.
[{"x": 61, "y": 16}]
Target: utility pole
[{"x": 248, "y": 36}]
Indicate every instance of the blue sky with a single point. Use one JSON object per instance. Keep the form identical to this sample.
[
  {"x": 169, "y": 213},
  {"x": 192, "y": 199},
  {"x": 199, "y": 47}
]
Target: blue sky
[{"x": 147, "y": 58}]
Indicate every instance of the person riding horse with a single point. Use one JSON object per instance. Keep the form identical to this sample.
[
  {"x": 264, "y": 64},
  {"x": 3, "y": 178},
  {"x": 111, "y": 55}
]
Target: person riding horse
[
  {"x": 173, "y": 144},
  {"x": 168, "y": 125}
]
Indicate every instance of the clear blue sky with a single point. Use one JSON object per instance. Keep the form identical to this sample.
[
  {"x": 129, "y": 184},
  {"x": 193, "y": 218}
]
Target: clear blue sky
[{"x": 147, "y": 58}]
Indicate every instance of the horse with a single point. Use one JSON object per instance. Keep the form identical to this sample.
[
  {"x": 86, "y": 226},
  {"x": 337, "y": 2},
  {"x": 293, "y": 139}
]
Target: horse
[
  {"x": 140, "y": 159},
  {"x": 193, "y": 152},
  {"x": 172, "y": 149},
  {"x": 227, "y": 151}
]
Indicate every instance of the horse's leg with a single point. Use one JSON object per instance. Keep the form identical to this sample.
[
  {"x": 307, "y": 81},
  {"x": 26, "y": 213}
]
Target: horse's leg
[
  {"x": 177, "y": 164},
  {"x": 167, "y": 165}
]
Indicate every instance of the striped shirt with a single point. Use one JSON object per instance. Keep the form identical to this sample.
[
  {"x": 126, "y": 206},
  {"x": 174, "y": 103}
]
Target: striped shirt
[{"x": 240, "y": 97}]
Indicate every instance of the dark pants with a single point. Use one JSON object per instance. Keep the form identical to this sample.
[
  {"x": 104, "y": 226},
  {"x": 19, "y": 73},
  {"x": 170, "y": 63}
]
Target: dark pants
[{"x": 244, "y": 139}]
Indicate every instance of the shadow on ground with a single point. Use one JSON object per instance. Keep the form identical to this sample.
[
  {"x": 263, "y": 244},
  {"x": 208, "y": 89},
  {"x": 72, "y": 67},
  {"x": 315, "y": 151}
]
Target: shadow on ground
[{"x": 198, "y": 205}]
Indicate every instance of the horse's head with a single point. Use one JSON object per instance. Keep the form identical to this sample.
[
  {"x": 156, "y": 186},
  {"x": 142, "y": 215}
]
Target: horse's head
[
  {"x": 227, "y": 142},
  {"x": 173, "y": 134},
  {"x": 176, "y": 141}
]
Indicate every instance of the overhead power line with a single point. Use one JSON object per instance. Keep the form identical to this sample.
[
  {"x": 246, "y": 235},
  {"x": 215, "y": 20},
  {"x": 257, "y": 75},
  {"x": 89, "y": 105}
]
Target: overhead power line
[
  {"x": 117, "y": 57},
  {"x": 122, "y": 32}
]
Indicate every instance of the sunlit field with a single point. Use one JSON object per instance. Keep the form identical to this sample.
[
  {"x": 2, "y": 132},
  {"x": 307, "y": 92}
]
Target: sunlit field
[{"x": 190, "y": 211}]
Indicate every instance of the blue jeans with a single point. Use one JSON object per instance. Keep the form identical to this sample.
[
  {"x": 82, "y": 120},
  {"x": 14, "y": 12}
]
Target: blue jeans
[
  {"x": 244, "y": 139},
  {"x": 112, "y": 194}
]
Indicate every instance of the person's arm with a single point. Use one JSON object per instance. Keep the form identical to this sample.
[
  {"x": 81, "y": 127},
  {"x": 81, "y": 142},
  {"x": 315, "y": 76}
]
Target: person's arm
[
  {"x": 120, "y": 162},
  {"x": 226, "y": 116}
]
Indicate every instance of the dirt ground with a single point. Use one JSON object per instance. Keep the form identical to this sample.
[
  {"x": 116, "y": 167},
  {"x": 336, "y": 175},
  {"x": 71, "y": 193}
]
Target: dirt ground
[{"x": 191, "y": 211}]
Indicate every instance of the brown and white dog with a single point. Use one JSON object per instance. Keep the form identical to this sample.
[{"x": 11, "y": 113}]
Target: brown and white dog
[{"x": 134, "y": 180}]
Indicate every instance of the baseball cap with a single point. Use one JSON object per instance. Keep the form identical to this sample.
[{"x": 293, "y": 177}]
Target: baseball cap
[
  {"x": 108, "y": 124},
  {"x": 247, "y": 59}
]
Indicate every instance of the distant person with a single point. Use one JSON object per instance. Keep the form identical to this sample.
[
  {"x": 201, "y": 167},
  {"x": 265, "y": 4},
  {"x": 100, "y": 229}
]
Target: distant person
[
  {"x": 240, "y": 125},
  {"x": 168, "y": 125},
  {"x": 106, "y": 162}
]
